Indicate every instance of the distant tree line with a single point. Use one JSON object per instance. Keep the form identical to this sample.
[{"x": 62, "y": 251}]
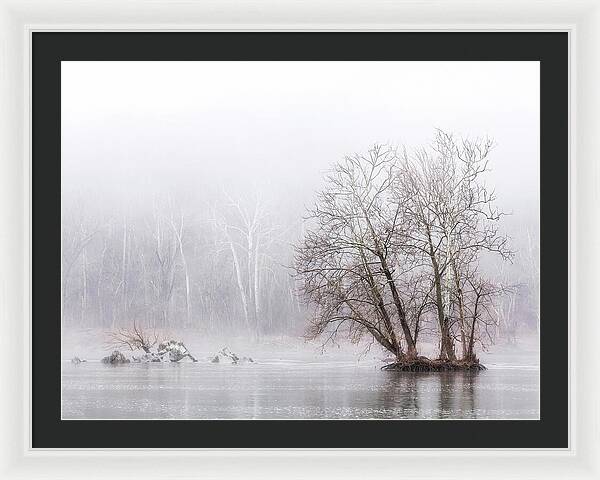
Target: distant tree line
[{"x": 219, "y": 266}]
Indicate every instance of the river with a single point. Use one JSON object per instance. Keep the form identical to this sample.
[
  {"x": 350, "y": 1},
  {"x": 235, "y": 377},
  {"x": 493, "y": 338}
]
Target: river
[{"x": 297, "y": 389}]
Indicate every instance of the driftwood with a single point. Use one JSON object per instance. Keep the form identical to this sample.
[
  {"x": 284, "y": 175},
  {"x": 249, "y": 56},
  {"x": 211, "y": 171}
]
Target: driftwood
[
  {"x": 137, "y": 338},
  {"x": 134, "y": 339}
]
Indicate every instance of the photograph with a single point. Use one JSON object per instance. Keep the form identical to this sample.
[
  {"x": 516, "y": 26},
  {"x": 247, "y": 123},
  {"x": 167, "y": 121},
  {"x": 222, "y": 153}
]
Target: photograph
[{"x": 300, "y": 240}]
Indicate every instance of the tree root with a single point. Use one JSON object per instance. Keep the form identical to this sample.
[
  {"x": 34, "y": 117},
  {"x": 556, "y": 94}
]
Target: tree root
[{"x": 424, "y": 364}]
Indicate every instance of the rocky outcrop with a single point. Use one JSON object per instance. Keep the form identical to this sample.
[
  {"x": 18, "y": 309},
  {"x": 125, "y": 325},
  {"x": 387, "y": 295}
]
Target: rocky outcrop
[
  {"x": 169, "y": 351},
  {"x": 174, "y": 351},
  {"x": 147, "y": 358},
  {"x": 115, "y": 357},
  {"x": 227, "y": 356}
]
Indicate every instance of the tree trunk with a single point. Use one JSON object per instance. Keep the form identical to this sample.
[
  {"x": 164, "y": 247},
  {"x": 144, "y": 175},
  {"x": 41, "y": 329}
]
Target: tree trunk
[
  {"x": 179, "y": 235},
  {"x": 461, "y": 313},
  {"x": 84, "y": 286},
  {"x": 410, "y": 342},
  {"x": 391, "y": 346},
  {"x": 256, "y": 289},
  {"x": 124, "y": 265},
  {"x": 393, "y": 340},
  {"x": 240, "y": 283},
  {"x": 446, "y": 344},
  {"x": 470, "y": 350}
]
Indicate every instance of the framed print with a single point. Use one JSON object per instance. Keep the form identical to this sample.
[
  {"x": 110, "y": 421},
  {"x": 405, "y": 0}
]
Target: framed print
[
  {"x": 221, "y": 271},
  {"x": 336, "y": 248}
]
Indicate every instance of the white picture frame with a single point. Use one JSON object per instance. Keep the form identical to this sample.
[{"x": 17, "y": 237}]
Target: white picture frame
[{"x": 19, "y": 19}]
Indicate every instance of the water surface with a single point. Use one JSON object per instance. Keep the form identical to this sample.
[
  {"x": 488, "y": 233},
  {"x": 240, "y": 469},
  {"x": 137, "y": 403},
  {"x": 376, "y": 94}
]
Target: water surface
[{"x": 292, "y": 389}]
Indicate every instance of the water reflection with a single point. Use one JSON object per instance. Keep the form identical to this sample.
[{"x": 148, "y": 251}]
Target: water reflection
[
  {"x": 400, "y": 391},
  {"x": 457, "y": 394},
  {"x": 445, "y": 393}
]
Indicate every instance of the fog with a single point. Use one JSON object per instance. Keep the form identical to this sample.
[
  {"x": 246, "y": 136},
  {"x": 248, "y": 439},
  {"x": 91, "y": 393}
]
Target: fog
[{"x": 165, "y": 159}]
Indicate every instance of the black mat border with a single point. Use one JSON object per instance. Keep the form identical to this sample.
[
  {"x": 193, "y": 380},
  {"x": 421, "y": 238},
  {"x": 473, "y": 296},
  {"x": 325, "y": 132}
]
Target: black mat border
[{"x": 49, "y": 48}]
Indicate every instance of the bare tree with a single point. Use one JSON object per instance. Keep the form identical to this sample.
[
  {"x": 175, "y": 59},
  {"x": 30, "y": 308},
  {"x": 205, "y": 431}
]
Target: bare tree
[
  {"x": 393, "y": 238},
  {"x": 178, "y": 230},
  {"x": 134, "y": 339},
  {"x": 78, "y": 232},
  {"x": 248, "y": 234},
  {"x": 450, "y": 217},
  {"x": 165, "y": 254},
  {"x": 479, "y": 313},
  {"x": 346, "y": 261},
  {"x": 530, "y": 257}
]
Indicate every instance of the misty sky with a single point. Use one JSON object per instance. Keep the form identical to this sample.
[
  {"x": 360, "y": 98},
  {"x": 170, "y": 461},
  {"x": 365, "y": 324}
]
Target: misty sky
[{"x": 130, "y": 129}]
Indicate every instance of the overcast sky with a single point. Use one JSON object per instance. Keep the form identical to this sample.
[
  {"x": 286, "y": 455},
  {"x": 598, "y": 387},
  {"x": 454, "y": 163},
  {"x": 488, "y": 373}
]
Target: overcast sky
[{"x": 130, "y": 128}]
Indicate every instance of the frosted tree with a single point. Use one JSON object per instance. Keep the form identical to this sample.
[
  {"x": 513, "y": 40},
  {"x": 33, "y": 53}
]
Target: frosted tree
[
  {"x": 450, "y": 217},
  {"x": 393, "y": 238},
  {"x": 346, "y": 263},
  {"x": 248, "y": 234}
]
